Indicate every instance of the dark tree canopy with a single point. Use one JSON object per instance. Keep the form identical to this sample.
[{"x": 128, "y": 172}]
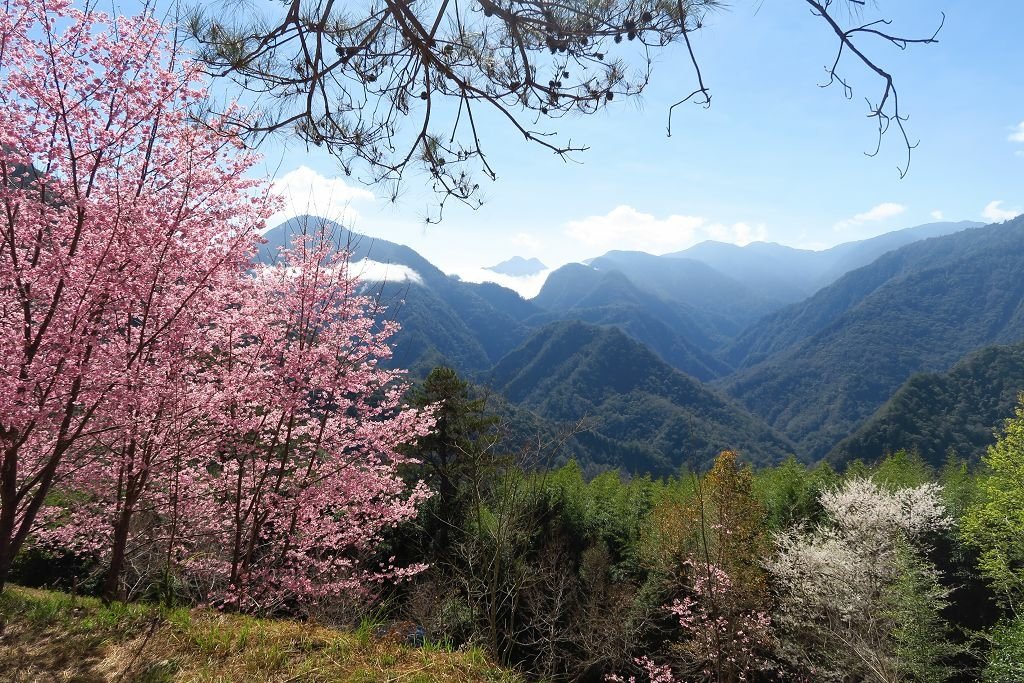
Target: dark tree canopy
[{"x": 385, "y": 85}]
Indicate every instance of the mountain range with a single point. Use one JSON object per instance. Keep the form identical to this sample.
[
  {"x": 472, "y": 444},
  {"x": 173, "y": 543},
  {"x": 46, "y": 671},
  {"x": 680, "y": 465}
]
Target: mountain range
[
  {"x": 764, "y": 348},
  {"x": 789, "y": 275},
  {"x": 816, "y": 369}
]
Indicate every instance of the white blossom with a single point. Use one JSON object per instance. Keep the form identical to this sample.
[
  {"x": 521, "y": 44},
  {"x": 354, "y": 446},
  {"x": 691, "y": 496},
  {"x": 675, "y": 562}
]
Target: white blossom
[{"x": 834, "y": 580}]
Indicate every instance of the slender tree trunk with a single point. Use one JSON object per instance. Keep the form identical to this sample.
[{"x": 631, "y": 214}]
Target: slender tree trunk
[
  {"x": 134, "y": 485},
  {"x": 112, "y": 581},
  {"x": 8, "y": 505},
  {"x": 13, "y": 534},
  {"x": 6, "y": 539}
]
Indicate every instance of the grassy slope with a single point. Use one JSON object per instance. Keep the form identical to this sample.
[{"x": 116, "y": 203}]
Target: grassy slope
[{"x": 49, "y": 636}]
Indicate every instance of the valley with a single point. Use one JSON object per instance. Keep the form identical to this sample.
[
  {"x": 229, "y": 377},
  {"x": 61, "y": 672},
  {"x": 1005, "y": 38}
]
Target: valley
[{"x": 764, "y": 349}]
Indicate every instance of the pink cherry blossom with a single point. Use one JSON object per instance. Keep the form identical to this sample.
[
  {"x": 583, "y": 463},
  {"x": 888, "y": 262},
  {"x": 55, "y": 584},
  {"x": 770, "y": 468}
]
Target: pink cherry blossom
[{"x": 200, "y": 415}]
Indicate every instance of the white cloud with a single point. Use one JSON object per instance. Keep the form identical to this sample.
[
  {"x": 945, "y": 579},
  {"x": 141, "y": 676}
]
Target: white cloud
[
  {"x": 304, "y": 191},
  {"x": 626, "y": 228},
  {"x": 937, "y": 215},
  {"x": 995, "y": 213},
  {"x": 1018, "y": 133},
  {"x": 876, "y": 213},
  {"x": 528, "y": 286},
  {"x": 375, "y": 271},
  {"x": 525, "y": 239}
]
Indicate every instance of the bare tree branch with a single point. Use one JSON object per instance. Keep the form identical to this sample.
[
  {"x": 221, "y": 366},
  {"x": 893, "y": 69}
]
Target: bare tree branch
[
  {"x": 886, "y": 111},
  {"x": 392, "y": 85}
]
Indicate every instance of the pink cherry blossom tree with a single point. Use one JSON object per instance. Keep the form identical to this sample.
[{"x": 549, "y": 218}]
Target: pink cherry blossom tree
[
  {"x": 310, "y": 428},
  {"x": 722, "y": 644},
  {"x": 262, "y": 458},
  {"x": 233, "y": 418},
  {"x": 131, "y": 496},
  {"x": 121, "y": 220}
]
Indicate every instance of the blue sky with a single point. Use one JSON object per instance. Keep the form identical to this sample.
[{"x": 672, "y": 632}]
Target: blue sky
[{"x": 774, "y": 158}]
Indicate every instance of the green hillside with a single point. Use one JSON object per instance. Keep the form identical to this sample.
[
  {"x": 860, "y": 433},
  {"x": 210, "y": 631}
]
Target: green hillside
[
  {"x": 935, "y": 413},
  {"x": 839, "y": 356},
  {"x": 51, "y": 636},
  {"x": 661, "y": 418}
]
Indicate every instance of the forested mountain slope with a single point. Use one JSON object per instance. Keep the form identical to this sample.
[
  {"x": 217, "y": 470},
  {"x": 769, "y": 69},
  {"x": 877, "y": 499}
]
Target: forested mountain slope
[
  {"x": 716, "y": 295},
  {"x": 643, "y": 413},
  {"x": 576, "y": 287},
  {"x": 832, "y": 360},
  {"x": 444, "y": 320},
  {"x": 935, "y": 413},
  {"x": 790, "y": 326},
  {"x": 843, "y": 258},
  {"x": 680, "y": 336}
]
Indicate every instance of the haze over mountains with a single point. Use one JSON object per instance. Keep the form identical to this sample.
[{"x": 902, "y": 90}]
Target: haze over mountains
[
  {"x": 766, "y": 349},
  {"x": 789, "y": 275}
]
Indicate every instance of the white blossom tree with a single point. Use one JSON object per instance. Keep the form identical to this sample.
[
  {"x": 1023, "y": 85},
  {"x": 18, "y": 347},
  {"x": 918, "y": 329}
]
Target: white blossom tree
[{"x": 857, "y": 595}]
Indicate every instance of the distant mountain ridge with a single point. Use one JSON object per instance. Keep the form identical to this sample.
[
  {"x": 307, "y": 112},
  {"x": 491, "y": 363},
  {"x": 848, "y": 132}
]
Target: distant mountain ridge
[
  {"x": 718, "y": 296},
  {"x": 815, "y": 370},
  {"x": 517, "y": 266},
  {"x": 789, "y": 274},
  {"x": 706, "y": 298}
]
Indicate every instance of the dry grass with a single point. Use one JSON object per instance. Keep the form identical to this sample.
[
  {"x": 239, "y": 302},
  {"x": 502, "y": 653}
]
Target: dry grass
[{"x": 49, "y": 636}]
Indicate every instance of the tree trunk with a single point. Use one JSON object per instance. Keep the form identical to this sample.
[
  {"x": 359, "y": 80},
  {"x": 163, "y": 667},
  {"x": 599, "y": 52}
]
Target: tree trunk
[
  {"x": 6, "y": 542},
  {"x": 112, "y": 581},
  {"x": 135, "y": 484}
]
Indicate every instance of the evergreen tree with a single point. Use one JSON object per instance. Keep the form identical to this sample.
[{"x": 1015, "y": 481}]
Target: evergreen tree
[{"x": 457, "y": 459}]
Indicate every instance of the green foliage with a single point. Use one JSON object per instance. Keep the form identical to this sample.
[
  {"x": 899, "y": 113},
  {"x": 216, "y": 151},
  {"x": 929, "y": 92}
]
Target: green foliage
[
  {"x": 995, "y": 523},
  {"x": 902, "y": 470},
  {"x": 39, "y": 566},
  {"x": 959, "y": 486},
  {"x": 789, "y": 492},
  {"x": 731, "y": 527},
  {"x": 921, "y": 635},
  {"x": 1005, "y": 662},
  {"x": 461, "y": 446}
]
